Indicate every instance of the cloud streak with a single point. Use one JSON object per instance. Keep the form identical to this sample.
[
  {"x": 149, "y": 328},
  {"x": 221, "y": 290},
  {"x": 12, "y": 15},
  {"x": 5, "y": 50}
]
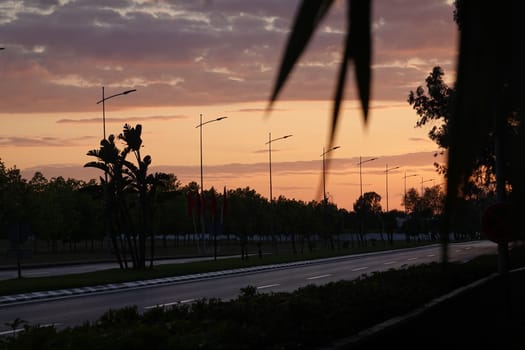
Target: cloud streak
[
  {"x": 121, "y": 120},
  {"x": 44, "y": 141},
  {"x": 338, "y": 167}
]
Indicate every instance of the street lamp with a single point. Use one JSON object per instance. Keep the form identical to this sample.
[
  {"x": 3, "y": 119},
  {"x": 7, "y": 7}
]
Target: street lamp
[
  {"x": 361, "y": 174},
  {"x": 103, "y": 101},
  {"x": 201, "y": 124},
  {"x": 324, "y": 171},
  {"x": 386, "y": 173},
  {"x": 269, "y": 143},
  {"x": 405, "y": 178},
  {"x": 422, "y": 182}
]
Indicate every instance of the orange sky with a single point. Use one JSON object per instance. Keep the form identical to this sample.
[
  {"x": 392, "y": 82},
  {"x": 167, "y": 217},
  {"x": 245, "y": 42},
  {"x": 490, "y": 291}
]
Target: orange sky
[{"x": 218, "y": 58}]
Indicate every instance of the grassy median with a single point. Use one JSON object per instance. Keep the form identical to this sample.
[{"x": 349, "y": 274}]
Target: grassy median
[{"x": 34, "y": 284}]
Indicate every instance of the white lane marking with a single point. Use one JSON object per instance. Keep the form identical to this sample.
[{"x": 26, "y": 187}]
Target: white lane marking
[
  {"x": 390, "y": 262},
  {"x": 431, "y": 255},
  {"x": 410, "y": 259},
  {"x": 169, "y": 304},
  {"x": 320, "y": 276},
  {"x": 13, "y": 331},
  {"x": 185, "y": 301},
  {"x": 268, "y": 286},
  {"x": 360, "y": 268}
]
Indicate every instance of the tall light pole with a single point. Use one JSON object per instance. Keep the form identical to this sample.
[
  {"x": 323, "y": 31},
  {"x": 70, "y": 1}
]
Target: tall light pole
[
  {"x": 422, "y": 182},
  {"x": 405, "y": 178},
  {"x": 386, "y": 173},
  {"x": 324, "y": 170},
  {"x": 269, "y": 143},
  {"x": 103, "y": 101},
  {"x": 361, "y": 162},
  {"x": 201, "y": 124}
]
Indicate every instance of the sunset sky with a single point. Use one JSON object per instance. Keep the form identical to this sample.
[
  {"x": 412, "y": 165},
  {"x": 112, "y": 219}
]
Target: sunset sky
[{"x": 218, "y": 58}]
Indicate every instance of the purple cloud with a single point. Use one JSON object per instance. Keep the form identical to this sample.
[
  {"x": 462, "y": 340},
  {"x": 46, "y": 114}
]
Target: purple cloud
[{"x": 205, "y": 52}]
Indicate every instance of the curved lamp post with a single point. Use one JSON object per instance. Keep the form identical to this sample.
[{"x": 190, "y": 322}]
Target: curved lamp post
[
  {"x": 103, "y": 101},
  {"x": 361, "y": 174},
  {"x": 324, "y": 169},
  {"x": 405, "y": 178},
  {"x": 201, "y": 124},
  {"x": 269, "y": 143},
  {"x": 422, "y": 182},
  {"x": 386, "y": 173}
]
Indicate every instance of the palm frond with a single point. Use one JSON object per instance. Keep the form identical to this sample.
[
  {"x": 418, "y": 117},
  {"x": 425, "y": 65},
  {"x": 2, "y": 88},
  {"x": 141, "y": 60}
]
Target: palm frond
[
  {"x": 132, "y": 137},
  {"x": 358, "y": 49},
  {"x": 361, "y": 43},
  {"x": 98, "y": 165},
  {"x": 94, "y": 153},
  {"x": 307, "y": 19}
]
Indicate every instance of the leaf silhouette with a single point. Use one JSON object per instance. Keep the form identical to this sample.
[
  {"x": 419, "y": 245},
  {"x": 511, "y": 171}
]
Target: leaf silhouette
[
  {"x": 308, "y": 18},
  {"x": 357, "y": 49}
]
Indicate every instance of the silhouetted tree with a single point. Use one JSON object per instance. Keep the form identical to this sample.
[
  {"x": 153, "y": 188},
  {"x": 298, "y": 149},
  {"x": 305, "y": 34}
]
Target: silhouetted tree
[
  {"x": 435, "y": 106},
  {"x": 368, "y": 210},
  {"x": 128, "y": 183},
  {"x": 13, "y": 198}
]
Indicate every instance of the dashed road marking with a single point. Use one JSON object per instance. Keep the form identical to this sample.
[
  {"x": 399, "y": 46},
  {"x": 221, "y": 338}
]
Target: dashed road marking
[
  {"x": 411, "y": 259},
  {"x": 14, "y": 331},
  {"x": 360, "y": 268},
  {"x": 169, "y": 304},
  {"x": 268, "y": 286},
  {"x": 390, "y": 262},
  {"x": 431, "y": 255},
  {"x": 320, "y": 276}
]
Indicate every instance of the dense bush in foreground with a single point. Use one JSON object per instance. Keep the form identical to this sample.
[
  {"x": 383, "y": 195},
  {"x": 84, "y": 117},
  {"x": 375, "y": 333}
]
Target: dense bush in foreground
[{"x": 306, "y": 318}]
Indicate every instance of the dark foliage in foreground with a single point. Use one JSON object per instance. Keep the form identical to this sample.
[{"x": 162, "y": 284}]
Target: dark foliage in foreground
[{"x": 307, "y": 318}]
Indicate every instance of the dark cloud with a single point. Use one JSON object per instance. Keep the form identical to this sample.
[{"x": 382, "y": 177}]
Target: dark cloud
[{"x": 205, "y": 52}]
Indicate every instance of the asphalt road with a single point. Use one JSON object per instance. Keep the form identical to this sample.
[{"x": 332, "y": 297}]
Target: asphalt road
[{"x": 72, "y": 311}]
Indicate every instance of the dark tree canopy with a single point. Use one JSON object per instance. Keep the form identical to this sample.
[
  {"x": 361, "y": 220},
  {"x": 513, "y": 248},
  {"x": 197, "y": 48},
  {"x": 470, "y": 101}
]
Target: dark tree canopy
[{"x": 434, "y": 106}]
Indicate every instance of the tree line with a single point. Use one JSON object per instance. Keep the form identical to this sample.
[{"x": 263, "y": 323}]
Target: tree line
[{"x": 132, "y": 208}]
